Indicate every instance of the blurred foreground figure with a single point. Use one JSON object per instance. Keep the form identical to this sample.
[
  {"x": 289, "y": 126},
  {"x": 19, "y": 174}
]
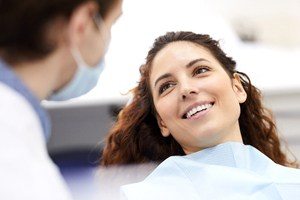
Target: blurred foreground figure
[{"x": 49, "y": 49}]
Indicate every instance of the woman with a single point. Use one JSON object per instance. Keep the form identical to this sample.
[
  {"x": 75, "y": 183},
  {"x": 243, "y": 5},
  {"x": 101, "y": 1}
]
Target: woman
[
  {"x": 192, "y": 101},
  {"x": 49, "y": 49}
]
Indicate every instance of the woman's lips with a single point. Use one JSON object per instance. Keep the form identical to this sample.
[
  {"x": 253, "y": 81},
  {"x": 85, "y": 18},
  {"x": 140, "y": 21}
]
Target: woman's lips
[
  {"x": 197, "y": 110},
  {"x": 200, "y": 114}
]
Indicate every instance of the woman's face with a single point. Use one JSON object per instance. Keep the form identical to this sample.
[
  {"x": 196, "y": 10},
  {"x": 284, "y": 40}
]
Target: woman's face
[{"x": 195, "y": 99}]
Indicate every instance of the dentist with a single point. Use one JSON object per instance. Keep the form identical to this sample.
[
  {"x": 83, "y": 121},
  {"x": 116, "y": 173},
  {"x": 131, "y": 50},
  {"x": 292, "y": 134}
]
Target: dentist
[{"x": 49, "y": 49}]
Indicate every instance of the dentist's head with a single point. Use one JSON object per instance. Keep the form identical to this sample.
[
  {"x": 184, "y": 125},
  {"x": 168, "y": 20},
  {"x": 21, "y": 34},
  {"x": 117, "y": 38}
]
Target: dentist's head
[{"x": 57, "y": 46}]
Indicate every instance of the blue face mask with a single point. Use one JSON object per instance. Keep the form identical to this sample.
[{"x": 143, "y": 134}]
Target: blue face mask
[{"x": 85, "y": 79}]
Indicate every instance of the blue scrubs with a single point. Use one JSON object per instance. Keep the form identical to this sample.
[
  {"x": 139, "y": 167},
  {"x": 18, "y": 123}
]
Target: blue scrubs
[{"x": 9, "y": 78}]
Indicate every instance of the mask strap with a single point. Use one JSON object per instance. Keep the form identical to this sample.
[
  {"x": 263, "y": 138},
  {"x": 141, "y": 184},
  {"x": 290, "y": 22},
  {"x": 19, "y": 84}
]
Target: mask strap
[
  {"x": 101, "y": 25},
  {"x": 77, "y": 57}
]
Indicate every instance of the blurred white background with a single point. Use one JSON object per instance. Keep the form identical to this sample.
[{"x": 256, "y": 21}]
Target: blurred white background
[{"x": 263, "y": 36}]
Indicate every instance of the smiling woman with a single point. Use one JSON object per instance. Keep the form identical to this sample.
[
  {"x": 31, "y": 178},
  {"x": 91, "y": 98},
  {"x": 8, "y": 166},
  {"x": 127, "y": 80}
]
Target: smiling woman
[
  {"x": 205, "y": 100},
  {"x": 192, "y": 101},
  {"x": 184, "y": 72}
]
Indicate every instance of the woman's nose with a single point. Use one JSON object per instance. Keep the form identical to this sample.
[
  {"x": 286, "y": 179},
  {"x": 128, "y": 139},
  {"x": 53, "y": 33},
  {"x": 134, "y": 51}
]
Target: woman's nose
[{"x": 188, "y": 92}]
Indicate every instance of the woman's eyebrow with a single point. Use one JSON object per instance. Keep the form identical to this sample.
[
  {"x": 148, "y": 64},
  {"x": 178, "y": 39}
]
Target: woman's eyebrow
[
  {"x": 195, "y": 61},
  {"x": 167, "y": 75}
]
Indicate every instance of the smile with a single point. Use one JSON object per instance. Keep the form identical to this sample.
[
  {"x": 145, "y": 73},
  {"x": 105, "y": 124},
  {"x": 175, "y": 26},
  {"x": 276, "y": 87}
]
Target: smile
[{"x": 197, "y": 109}]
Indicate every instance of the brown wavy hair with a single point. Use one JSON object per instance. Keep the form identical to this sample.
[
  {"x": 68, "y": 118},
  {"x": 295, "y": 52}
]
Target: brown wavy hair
[{"x": 136, "y": 136}]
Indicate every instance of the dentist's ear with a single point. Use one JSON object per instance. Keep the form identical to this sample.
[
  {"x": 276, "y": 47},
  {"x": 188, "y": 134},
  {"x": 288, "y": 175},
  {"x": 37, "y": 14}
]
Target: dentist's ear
[
  {"x": 238, "y": 88},
  {"x": 163, "y": 128},
  {"x": 80, "y": 21}
]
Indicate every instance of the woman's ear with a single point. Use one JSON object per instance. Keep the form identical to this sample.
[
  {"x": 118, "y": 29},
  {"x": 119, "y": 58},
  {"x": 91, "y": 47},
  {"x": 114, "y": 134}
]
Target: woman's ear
[
  {"x": 163, "y": 128},
  {"x": 238, "y": 88}
]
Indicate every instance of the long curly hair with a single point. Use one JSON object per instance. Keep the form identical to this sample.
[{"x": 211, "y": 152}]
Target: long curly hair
[{"x": 136, "y": 136}]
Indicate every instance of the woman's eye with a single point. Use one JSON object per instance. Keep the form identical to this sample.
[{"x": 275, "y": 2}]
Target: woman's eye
[
  {"x": 164, "y": 87},
  {"x": 200, "y": 70}
]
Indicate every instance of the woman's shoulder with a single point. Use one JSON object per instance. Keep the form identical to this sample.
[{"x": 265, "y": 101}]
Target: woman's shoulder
[
  {"x": 232, "y": 158},
  {"x": 223, "y": 166}
]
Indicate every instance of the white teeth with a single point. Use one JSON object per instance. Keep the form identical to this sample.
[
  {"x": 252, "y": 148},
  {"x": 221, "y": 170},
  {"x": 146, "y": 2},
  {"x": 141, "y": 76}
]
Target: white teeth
[
  {"x": 203, "y": 107},
  {"x": 197, "y": 109}
]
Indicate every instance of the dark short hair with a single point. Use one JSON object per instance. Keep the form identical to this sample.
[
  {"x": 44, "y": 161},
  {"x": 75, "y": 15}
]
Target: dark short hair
[{"x": 24, "y": 25}]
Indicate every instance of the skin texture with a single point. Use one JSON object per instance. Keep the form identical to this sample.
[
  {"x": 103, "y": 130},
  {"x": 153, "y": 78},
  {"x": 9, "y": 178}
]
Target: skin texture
[{"x": 204, "y": 80}]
